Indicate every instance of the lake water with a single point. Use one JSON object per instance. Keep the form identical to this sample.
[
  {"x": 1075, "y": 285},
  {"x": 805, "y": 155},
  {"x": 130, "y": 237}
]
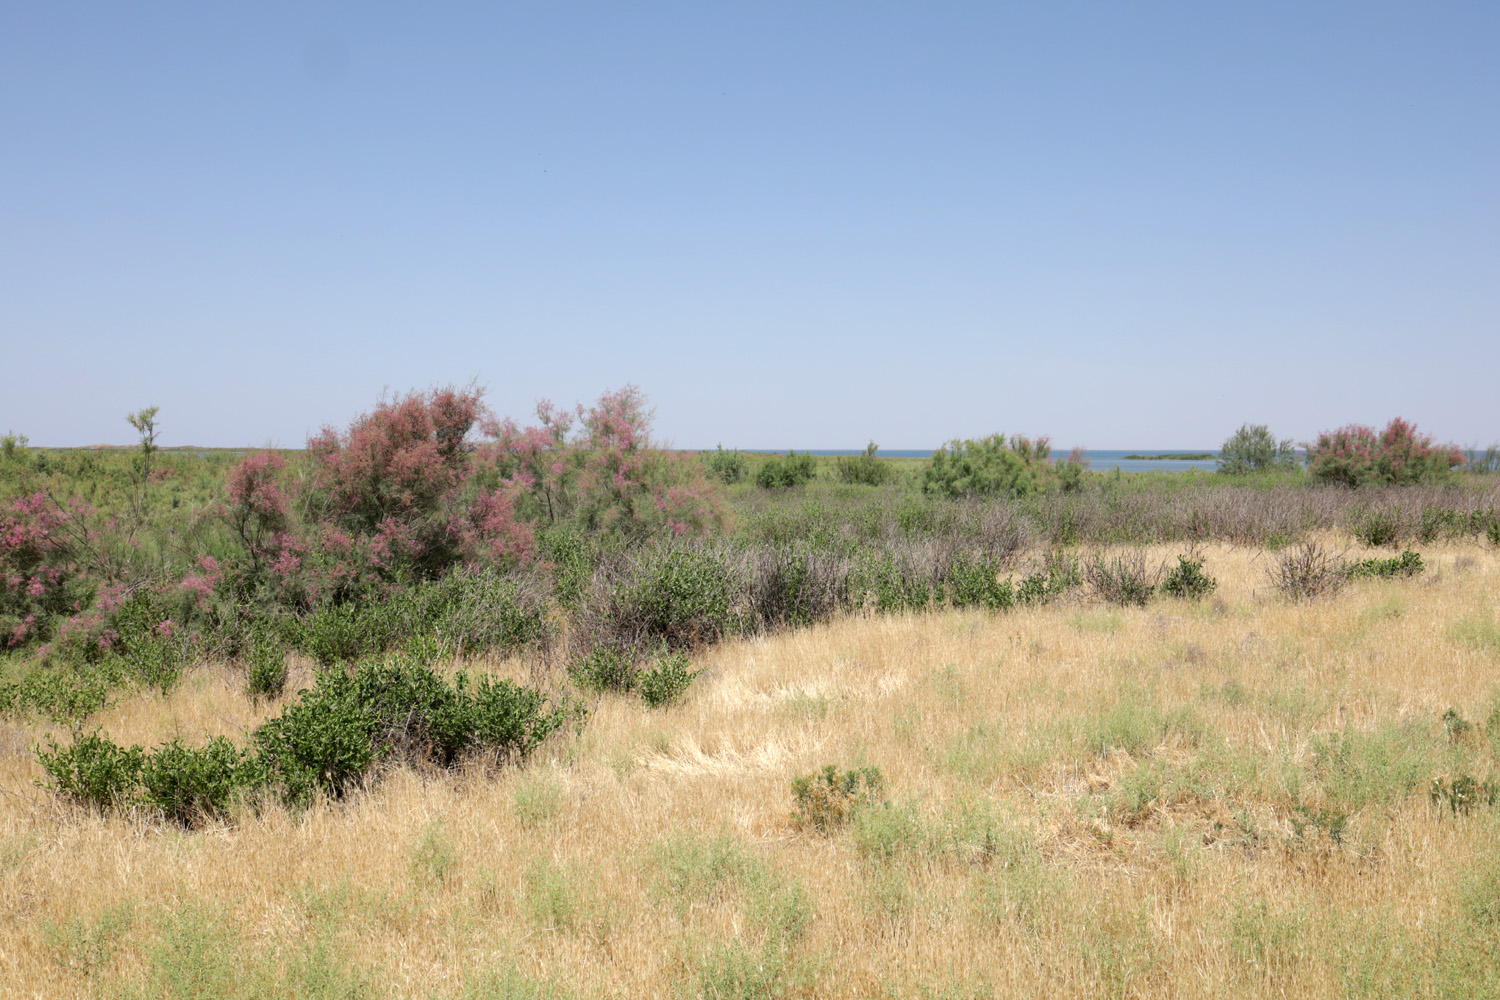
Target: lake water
[{"x": 1100, "y": 460}]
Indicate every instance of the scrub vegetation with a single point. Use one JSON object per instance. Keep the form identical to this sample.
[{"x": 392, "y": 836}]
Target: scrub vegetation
[{"x": 448, "y": 706}]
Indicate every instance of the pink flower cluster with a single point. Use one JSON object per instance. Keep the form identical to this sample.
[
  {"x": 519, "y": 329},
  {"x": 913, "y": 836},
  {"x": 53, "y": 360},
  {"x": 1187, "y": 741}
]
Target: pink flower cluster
[{"x": 1355, "y": 454}]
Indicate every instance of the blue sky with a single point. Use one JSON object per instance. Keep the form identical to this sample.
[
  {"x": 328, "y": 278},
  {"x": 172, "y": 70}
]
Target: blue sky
[{"x": 801, "y": 224}]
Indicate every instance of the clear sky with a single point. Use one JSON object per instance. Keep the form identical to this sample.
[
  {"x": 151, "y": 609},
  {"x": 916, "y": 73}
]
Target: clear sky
[{"x": 792, "y": 224}]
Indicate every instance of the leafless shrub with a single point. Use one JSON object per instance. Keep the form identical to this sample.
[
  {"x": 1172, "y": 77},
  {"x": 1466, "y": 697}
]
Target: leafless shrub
[
  {"x": 1122, "y": 579},
  {"x": 1307, "y": 572}
]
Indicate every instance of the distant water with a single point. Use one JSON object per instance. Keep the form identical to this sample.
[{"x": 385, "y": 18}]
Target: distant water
[{"x": 1100, "y": 460}]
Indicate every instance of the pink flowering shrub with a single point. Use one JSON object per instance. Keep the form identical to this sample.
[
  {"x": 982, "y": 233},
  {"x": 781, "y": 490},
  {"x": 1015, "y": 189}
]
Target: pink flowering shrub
[
  {"x": 404, "y": 495},
  {"x": 40, "y": 576},
  {"x": 1355, "y": 455},
  {"x": 598, "y": 469}
]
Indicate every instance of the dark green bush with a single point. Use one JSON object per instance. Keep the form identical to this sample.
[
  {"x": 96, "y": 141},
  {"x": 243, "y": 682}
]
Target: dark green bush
[
  {"x": 865, "y": 469},
  {"x": 784, "y": 471},
  {"x": 322, "y": 743},
  {"x": 193, "y": 786},
  {"x": 1187, "y": 579},
  {"x": 975, "y": 582},
  {"x": 605, "y": 668},
  {"x": 265, "y": 670},
  {"x": 726, "y": 466},
  {"x": 667, "y": 679},
  {"x": 1377, "y": 527},
  {"x": 678, "y": 597},
  {"x": 992, "y": 466},
  {"x": 1407, "y": 564},
  {"x": 94, "y": 771}
]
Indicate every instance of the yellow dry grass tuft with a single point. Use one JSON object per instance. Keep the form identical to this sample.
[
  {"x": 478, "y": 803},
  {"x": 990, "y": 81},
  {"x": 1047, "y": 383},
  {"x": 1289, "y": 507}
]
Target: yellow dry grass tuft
[{"x": 1216, "y": 799}]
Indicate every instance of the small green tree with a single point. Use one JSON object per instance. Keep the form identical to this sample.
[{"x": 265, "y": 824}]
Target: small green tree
[
  {"x": 1253, "y": 448},
  {"x": 993, "y": 465},
  {"x": 144, "y": 421}
]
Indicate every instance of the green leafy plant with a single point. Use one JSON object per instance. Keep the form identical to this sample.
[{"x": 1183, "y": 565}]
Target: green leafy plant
[
  {"x": 265, "y": 670},
  {"x": 864, "y": 469},
  {"x": 94, "y": 771},
  {"x": 667, "y": 679},
  {"x": 1253, "y": 448},
  {"x": 605, "y": 668},
  {"x": 1407, "y": 564},
  {"x": 991, "y": 466},
  {"x": 828, "y": 799},
  {"x": 191, "y": 786},
  {"x": 1187, "y": 579},
  {"x": 726, "y": 466},
  {"x": 785, "y": 471}
]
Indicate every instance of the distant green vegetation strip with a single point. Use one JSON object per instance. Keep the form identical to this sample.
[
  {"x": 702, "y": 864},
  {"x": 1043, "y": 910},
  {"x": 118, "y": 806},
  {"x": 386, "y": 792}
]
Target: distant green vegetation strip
[{"x": 1187, "y": 456}]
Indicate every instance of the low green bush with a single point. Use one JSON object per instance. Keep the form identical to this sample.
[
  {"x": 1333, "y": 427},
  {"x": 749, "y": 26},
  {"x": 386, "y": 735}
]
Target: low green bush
[
  {"x": 726, "y": 466},
  {"x": 605, "y": 668},
  {"x": 94, "y": 771},
  {"x": 325, "y": 743},
  {"x": 265, "y": 670},
  {"x": 785, "y": 471},
  {"x": 1376, "y": 528},
  {"x": 191, "y": 786},
  {"x": 667, "y": 680},
  {"x": 1187, "y": 579},
  {"x": 1407, "y": 564},
  {"x": 864, "y": 469}
]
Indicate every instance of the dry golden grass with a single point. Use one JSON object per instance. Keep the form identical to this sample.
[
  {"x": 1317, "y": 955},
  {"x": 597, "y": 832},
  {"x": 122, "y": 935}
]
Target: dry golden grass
[{"x": 1220, "y": 799}]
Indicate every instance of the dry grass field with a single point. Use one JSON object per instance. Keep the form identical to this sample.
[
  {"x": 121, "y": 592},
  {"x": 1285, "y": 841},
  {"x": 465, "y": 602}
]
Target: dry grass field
[{"x": 1227, "y": 798}]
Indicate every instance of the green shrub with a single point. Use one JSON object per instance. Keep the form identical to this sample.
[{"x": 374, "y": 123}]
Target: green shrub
[
  {"x": 1187, "y": 579},
  {"x": 726, "y": 466},
  {"x": 1407, "y": 564},
  {"x": 1377, "y": 528},
  {"x": 991, "y": 466},
  {"x": 321, "y": 744},
  {"x": 782, "y": 472},
  {"x": 1252, "y": 448},
  {"x": 343, "y": 633},
  {"x": 605, "y": 668},
  {"x": 975, "y": 582},
  {"x": 265, "y": 670},
  {"x": 828, "y": 799},
  {"x": 678, "y": 597},
  {"x": 94, "y": 771},
  {"x": 192, "y": 786},
  {"x": 865, "y": 469},
  {"x": 667, "y": 680}
]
